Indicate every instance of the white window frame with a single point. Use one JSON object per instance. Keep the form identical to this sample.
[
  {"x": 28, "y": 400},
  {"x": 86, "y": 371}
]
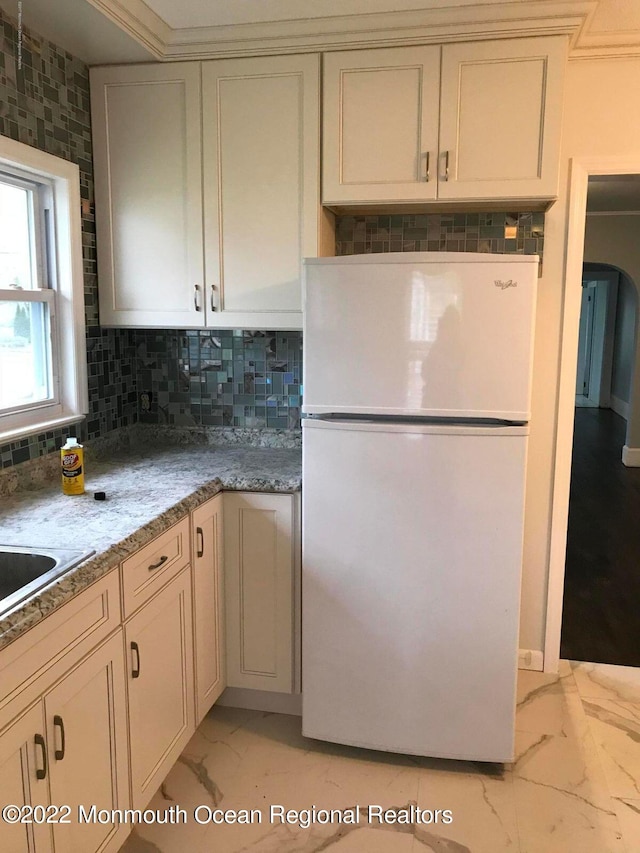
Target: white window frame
[{"x": 65, "y": 294}]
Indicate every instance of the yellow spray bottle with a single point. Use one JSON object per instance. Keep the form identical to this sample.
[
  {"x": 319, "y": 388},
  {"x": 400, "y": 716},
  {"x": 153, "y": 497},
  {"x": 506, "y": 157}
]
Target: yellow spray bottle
[{"x": 72, "y": 458}]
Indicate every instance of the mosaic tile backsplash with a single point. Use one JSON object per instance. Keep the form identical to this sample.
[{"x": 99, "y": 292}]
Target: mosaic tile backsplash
[
  {"x": 219, "y": 378},
  {"x": 46, "y": 104},
  {"x": 441, "y": 232}
]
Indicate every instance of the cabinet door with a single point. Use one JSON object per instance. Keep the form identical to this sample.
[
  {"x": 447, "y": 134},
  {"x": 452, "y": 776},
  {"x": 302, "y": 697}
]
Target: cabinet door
[
  {"x": 159, "y": 648},
  {"x": 261, "y": 163},
  {"x": 147, "y": 146},
  {"x": 380, "y": 125},
  {"x": 259, "y": 561},
  {"x": 208, "y": 601},
  {"x": 21, "y": 759},
  {"x": 87, "y": 739},
  {"x": 500, "y": 119}
]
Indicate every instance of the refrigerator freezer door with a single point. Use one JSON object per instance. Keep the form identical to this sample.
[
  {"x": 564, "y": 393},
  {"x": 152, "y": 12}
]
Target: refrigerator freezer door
[
  {"x": 419, "y": 334},
  {"x": 412, "y": 549}
]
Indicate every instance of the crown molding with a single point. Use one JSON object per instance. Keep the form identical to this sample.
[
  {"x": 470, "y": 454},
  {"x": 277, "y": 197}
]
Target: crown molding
[
  {"x": 383, "y": 29},
  {"x": 136, "y": 19},
  {"x": 483, "y": 20},
  {"x": 380, "y": 29}
]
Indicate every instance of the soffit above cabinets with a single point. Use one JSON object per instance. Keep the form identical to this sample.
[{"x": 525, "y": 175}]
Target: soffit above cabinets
[{"x": 115, "y": 31}]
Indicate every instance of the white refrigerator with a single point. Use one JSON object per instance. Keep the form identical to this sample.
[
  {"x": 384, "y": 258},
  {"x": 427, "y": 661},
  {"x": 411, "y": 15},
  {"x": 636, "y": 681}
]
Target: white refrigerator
[{"x": 417, "y": 384}]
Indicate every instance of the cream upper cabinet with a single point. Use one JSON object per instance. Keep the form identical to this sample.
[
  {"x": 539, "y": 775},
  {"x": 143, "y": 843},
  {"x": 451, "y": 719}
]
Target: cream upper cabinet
[
  {"x": 208, "y": 604},
  {"x": 207, "y": 191},
  {"x": 148, "y": 185},
  {"x": 475, "y": 121},
  {"x": 380, "y": 125},
  {"x": 261, "y": 136},
  {"x": 500, "y": 119}
]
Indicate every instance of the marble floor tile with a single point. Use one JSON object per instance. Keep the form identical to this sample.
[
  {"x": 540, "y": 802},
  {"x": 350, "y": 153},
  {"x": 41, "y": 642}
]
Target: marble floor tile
[
  {"x": 616, "y": 728},
  {"x": 628, "y": 812},
  {"x": 604, "y": 681},
  {"x": 543, "y": 700},
  {"x": 482, "y": 802},
  {"x": 562, "y": 800},
  {"x": 577, "y": 744}
]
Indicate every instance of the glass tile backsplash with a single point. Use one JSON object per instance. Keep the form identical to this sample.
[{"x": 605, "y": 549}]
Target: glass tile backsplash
[
  {"x": 219, "y": 378},
  {"x": 519, "y": 233}
]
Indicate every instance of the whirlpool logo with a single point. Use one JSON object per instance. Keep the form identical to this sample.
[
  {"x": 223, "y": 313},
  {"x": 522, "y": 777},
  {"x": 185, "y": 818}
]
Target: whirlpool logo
[{"x": 503, "y": 285}]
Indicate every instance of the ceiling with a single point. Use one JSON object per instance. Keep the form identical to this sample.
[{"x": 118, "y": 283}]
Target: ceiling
[
  {"x": 80, "y": 28},
  {"x": 612, "y": 193},
  {"x": 113, "y": 31},
  {"x": 213, "y": 13}
]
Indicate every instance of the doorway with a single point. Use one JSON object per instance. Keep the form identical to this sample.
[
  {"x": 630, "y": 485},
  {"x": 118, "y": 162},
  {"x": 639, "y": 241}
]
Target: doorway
[
  {"x": 603, "y": 428},
  {"x": 596, "y": 338}
]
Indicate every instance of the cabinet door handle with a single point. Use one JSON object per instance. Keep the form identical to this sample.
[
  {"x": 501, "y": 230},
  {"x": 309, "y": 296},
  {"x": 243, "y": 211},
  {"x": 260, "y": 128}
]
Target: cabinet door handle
[
  {"x": 200, "y": 536},
  {"x": 59, "y": 753},
  {"x": 39, "y": 741},
  {"x": 157, "y": 565},
  {"x": 213, "y": 298},
  {"x": 446, "y": 165},
  {"x": 427, "y": 174},
  {"x": 196, "y": 297},
  {"x": 135, "y": 672}
]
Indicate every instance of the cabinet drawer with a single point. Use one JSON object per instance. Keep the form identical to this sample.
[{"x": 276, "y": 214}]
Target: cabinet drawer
[
  {"x": 150, "y": 568},
  {"x": 75, "y": 628}
]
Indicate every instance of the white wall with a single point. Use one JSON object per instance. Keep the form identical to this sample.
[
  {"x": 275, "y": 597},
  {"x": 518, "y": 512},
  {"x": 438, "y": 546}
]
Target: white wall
[
  {"x": 615, "y": 240},
  {"x": 624, "y": 343},
  {"x": 601, "y": 118}
]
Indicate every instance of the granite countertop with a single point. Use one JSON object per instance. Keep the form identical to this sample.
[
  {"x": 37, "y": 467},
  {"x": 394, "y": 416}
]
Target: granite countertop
[{"x": 146, "y": 492}]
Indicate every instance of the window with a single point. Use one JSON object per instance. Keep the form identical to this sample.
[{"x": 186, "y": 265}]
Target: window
[{"x": 42, "y": 340}]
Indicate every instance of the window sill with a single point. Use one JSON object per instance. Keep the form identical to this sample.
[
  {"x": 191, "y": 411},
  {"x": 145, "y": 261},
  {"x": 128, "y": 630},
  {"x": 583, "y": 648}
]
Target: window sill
[{"x": 45, "y": 425}]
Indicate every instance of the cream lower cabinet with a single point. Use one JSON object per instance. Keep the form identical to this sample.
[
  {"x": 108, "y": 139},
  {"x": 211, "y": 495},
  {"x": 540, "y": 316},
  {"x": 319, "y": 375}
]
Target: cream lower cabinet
[
  {"x": 70, "y": 749},
  {"x": 475, "y": 121},
  {"x": 208, "y": 604},
  {"x": 159, "y": 649},
  {"x": 23, "y": 781},
  {"x": 261, "y": 558}
]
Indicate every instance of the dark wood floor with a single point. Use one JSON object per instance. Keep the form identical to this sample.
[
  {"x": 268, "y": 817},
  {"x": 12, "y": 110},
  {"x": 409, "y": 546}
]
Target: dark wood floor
[{"x": 601, "y": 616}]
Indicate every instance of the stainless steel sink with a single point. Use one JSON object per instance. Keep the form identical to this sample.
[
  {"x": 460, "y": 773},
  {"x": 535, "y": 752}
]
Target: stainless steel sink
[{"x": 24, "y": 571}]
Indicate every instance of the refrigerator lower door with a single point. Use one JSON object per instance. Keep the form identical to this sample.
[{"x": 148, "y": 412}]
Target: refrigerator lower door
[{"x": 412, "y": 550}]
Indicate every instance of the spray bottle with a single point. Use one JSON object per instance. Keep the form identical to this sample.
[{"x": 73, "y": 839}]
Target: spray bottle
[{"x": 72, "y": 458}]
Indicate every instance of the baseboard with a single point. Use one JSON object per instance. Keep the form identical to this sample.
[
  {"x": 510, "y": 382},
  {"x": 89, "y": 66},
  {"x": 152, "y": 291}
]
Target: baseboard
[
  {"x": 530, "y": 659},
  {"x": 262, "y": 700},
  {"x": 620, "y": 407},
  {"x": 631, "y": 456}
]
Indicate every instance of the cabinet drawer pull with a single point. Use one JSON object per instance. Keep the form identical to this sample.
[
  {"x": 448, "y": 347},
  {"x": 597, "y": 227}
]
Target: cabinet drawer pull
[
  {"x": 446, "y": 165},
  {"x": 427, "y": 168},
  {"x": 196, "y": 297},
  {"x": 39, "y": 741},
  {"x": 59, "y": 753},
  {"x": 135, "y": 672},
  {"x": 213, "y": 298},
  {"x": 200, "y": 535},
  {"x": 157, "y": 565}
]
